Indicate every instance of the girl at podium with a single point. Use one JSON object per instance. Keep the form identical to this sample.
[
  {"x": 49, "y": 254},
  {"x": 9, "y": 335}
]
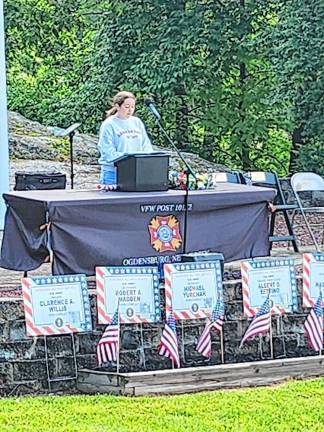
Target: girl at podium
[{"x": 120, "y": 134}]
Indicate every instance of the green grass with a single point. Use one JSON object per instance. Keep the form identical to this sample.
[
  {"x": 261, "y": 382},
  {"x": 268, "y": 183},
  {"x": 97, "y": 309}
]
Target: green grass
[{"x": 294, "y": 406}]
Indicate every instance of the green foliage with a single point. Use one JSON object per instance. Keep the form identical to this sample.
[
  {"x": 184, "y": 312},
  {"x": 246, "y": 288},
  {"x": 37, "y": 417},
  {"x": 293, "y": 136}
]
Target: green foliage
[
  {"x": 200, "y": 63},
  {"x": 296, "y": 406},
  {"x": 233, "y": 79},
  {"x": 45, "y": 46},
  {"x": 295, "y": 55},
  {"x": 311, "y": 158}
]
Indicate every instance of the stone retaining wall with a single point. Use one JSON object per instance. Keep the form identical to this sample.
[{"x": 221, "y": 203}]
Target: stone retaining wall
[{"x": 22, "y": 358}]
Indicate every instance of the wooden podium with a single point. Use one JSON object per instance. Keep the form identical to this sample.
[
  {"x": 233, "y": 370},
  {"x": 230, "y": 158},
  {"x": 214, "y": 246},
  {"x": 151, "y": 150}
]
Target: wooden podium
[{"x": 142, "y": 172}]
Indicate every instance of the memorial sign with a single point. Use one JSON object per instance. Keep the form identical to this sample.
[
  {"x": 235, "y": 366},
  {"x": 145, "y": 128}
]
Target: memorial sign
[
  {"x": 192, "y": 289},
  {"x": 269, "y": 276},
  {"x": 56, "y": 305},
  {"x": 313, "y": 277},
  {"x": 136, "y": 288}
]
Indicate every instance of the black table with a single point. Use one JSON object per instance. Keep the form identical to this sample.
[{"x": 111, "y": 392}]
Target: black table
[{"x": 91, "y": 228}]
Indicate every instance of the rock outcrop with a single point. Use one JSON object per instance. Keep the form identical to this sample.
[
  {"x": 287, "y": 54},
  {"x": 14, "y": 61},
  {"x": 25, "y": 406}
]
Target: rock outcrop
[{"x": 31, "y": 140}]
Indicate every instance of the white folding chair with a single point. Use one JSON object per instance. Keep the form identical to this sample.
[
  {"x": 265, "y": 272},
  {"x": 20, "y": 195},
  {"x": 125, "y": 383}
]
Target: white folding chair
[{"x": 308, "y": 182}]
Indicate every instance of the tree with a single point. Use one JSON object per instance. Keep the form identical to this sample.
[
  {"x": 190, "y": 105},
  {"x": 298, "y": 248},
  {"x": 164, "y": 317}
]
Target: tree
[
  {"x": 220, "y": 71},
  {"x": 45, "y": 46},
  {"x": 190, "y": 56},
  {"x": 296, "y": 58}
]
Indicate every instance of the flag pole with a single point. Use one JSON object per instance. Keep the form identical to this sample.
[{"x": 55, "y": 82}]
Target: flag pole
[
  {"x": 142, "y": 346},
  {"x": 282, "y": 332},
  {"x": 182, "y": 342},
  {"x": 321, "y": 294},
  {"x": 270, "y": 329},
  {"x": 118, "y": 344},
  {"x": 260, "y": 347},
  {"x": 222, "y": 345},
  {"x": 271, "y": 341}
]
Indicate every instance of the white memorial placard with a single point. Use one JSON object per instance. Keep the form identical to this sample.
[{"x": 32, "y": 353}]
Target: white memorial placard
[
  {"x": 56, "y": 305},
  {"x": 193, "y": 288},
  {"x": 275, "y": 277},
  {"x": 313, "y": 277},
  {"x": 135, "y": 288}
]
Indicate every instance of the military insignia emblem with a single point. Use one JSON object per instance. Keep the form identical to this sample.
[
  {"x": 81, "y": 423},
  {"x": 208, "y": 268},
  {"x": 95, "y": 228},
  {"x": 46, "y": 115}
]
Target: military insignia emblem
[
  {"x": 129, "y": 312},
  {"x": 59, "y": 322},
  {"x": 165, "y": 233},
  {"x": 194, "y": 307}
]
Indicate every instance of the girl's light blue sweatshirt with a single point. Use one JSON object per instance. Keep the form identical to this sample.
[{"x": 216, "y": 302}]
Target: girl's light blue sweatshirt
[{"x": 118, "y": 137}]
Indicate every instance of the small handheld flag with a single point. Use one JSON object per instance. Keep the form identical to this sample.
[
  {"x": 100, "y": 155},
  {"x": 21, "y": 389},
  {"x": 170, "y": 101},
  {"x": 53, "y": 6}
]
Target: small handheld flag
[
  {"x": 108, "y": 346},
  {"x": 216, "y": 322},
  {"x": 169, "y": 343},
  {"x": 260, "y": 324},
  {"x": 314, "y": 326}
]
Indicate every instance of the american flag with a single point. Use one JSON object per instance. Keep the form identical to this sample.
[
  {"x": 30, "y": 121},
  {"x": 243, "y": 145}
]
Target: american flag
[
  {"x": 216, "y": 322},
  {"x": 169, "y": 343},
  {"x": 314, "y": 326},
  {"x": 260, "y": 324},
  {"x": 108, "y": 346}
]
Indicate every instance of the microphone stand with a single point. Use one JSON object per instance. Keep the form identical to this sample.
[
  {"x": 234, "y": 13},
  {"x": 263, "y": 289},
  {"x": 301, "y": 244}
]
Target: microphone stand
[
  {"x": 70, "y": 131},
  {"x": 188, "y": 171}
]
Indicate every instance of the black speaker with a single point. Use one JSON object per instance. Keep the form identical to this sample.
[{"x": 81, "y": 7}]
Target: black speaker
[
  {"x": 143, "y": 172},
  {"x": 40, "y": 180}
]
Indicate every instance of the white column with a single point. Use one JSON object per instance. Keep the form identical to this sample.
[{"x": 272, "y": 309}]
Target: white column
[{"x": 4, "y": 150}]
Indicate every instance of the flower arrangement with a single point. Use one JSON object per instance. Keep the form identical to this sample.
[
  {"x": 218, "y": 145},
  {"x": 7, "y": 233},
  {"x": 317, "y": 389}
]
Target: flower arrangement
[{"x": 178, "y": 180}]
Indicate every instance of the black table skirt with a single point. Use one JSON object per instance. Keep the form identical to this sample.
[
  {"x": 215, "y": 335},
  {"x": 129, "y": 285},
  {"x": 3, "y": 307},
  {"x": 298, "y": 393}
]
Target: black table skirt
[{"x": 92, "y": 228}]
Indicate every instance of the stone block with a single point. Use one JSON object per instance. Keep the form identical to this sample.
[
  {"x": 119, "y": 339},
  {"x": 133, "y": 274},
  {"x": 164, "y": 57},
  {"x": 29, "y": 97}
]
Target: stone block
[
  {"x": 191, "y": 355},
  {"x": 4, "y": 331},
  {"x": 130, "y": 360},
  {"x": 153, "y": 360},
  {"x": 87, "y": 343},
  {"x": 242, "y": 326},
  {"x": 94, "y": 312},
  {"x": 17, "y": 330},
  {"x": 297, "y": 343},
  {"x": 59, "y": 345},
  {"x": 279, "y": 346},
  {"x": 87, "y": 361},
  {"x": 230, "y": 330},
  {"x": 229, "y": 290},
  {"x": 189, "y": 335},
  {"x": 249, "y": 352},
  {"x": 233, "y": 310},
  {"x": 64, "y": 386},
  {"x": 130, "y": 339},
  {"x": 11, "y": 310},
  {"x": 6, "y": 373},
  {"x": 238, "y": 291},
  {"x": 22, "y": 388},
  {"x": 280, "y": 325},
  {"x": 151, "y": 338},
  {"x": 29, "y": 370},
  {"x": 20, "y": 350},
  {"x": 64, "y": 366}
]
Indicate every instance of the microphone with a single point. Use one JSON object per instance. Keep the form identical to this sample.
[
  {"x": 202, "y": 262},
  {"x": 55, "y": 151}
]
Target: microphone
[{"x": 150, "y": 105}]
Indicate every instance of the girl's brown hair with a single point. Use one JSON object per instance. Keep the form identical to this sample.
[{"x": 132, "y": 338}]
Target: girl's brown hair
[{"x": 119, "y": 99}]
